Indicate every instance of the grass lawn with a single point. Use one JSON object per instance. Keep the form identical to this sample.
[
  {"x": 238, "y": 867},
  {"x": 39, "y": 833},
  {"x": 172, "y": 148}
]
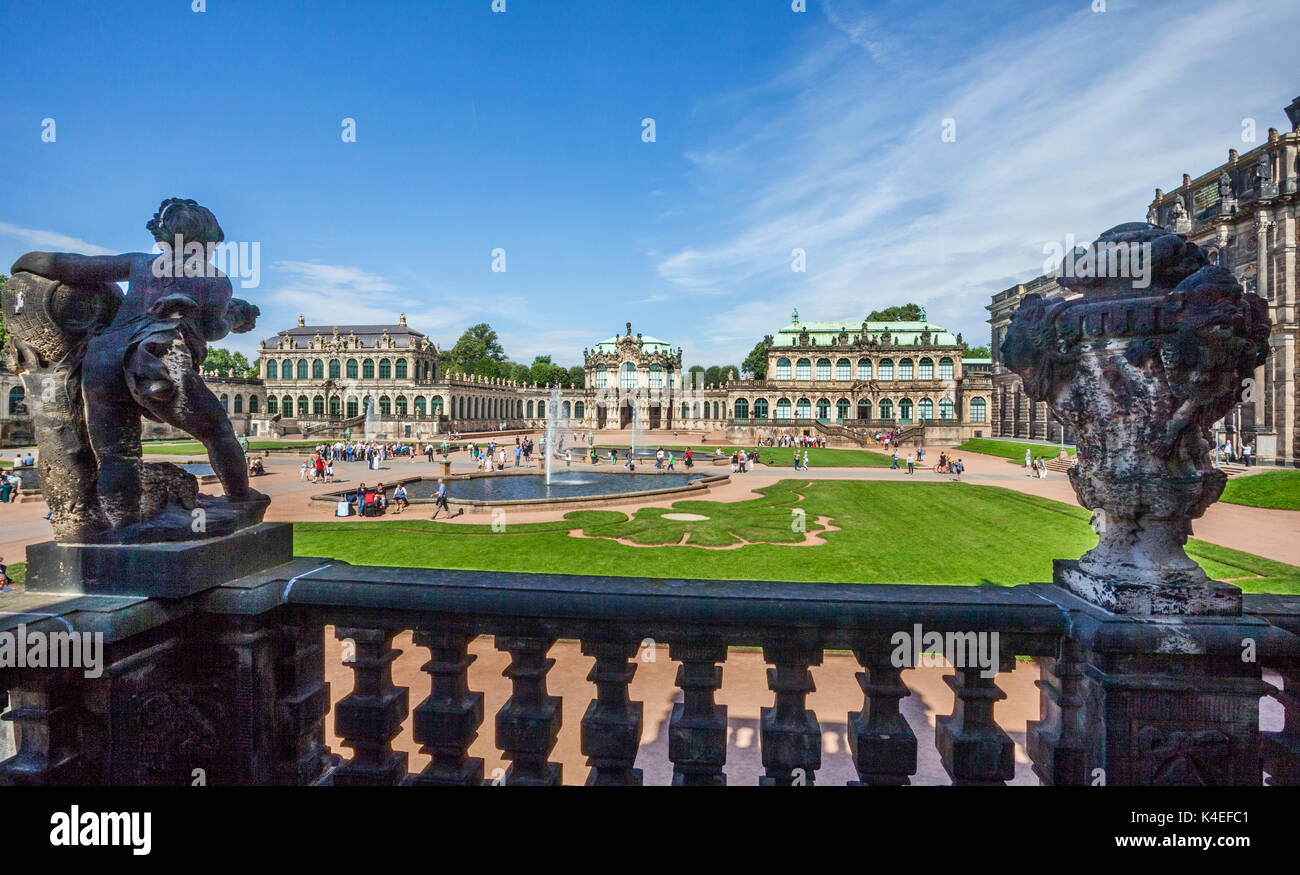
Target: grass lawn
[
  {"x": 1273, "y": 489},
  {"x": 1014, "y": 450},
  {"x": 818, "y": 457},
  {"x": 927, "y": 533}
]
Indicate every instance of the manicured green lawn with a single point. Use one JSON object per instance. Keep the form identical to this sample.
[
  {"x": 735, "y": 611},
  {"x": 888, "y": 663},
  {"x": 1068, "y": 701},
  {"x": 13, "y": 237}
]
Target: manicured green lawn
[
  {"x": 927, "y": 533},
  {"x": 1274, "y": 489},
  {"x": 1014, "y": 450}
]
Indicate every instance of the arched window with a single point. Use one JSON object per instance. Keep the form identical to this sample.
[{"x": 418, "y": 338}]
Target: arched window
[
  {"x": 401, "y": 405},
  {"x": 803, "y": 409},
  {"x": 843, "y": 370},
  {"x": 823, "y": 369},
  {"x": 385, "y": 369},
  {"x": 629, "y": 376},
  {"x": 783, "y": 408},
  {"x": 399, "y": 370},
  {"x": 823, "y": 408},
  {"x": 760, "y": 408},
  {"x": 368, "y": 369},
  {"x": 351, "y": 370},
  {"x": 239, "y": 403},
  {"x": 318, "y": 406},
  {"x": 601, "y": 377},
  {"x": 783, "y": 369},
  {"x": 566, "y": 412},
  {"x": 272, "y": 406},
  {"x": 905, "y": 369},
  {"x": 686, "y": 410},
  {"x": 886, "y": 369},
  {"x": 926, "y": 370},
  {"x": 272, "y": 370},
  {"x": 385, "y": 406},
  {"x": 742, "y": 408},
  {"x": 886, "y": 410},
  {"x": 225, "y": 402},
  {"x": 945, "y": 368},
  {"x": 302, "y": 404},
  {"x": 318, "y": 370},
  {"x": 419, "y": 406},
  {"x": 351, "y": 408},
  {"x": 286, "y": 370},
  {"x": 302, "y": 369},
  {"x": 529, "y": 414},
  {"x": 252, "y": 404},
  {"x": 803, "y": 370},
  {"x": 905, "y": 411},
  {"x": 656, "y": 377},
  {"x": 334, "y": 405},
  {"x": 945, "y": 408},
  {"x": 437, "y": 405},
  {"x": 977, "y": 410},
  {"x": 864, "y": 369},
  {"x": 864, "y": 409},
  {"x": 287, "y": 406},
  {"x": 579, "y": 410},
  {"x": 334, "y": 369},
  {"x": 925, "y": 409},
  {"x": 842, "y": 409}
]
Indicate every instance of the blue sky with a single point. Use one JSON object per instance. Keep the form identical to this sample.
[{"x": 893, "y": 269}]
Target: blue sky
[{"x": 522, "y": 130}]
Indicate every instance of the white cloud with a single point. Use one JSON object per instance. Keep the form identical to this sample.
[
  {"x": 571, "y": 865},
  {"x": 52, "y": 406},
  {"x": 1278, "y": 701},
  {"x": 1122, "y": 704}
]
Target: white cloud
[{"x": 52, "y": 241}]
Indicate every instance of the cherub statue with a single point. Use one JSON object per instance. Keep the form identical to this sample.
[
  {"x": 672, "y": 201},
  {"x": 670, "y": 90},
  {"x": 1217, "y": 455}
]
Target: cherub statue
[{"x": 140, "y": 355}]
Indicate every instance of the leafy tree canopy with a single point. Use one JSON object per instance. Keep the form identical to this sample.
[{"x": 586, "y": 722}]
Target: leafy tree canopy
[
  {"x": 478, "y": 351},
  {"x": 903, "y": 313},
  {"x": 231, "y": 364},
  {"x": 755, "y": 364}
]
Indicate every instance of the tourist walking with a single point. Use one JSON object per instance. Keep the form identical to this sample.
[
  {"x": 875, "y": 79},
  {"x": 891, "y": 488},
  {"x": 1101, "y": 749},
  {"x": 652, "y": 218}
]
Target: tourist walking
[
  {"x": 911, "y": 464},
  {"x": 1028, "y": 458},
  {"x": 440, "y": 499},
  {"x": 894, "y": 466}
]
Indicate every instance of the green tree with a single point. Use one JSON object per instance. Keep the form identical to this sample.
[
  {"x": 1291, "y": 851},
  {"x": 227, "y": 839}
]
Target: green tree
[
  {"x": 755, "y": 364},
  {"x": 476, "y": 347},
  {"x": 904, "y": 313},
  {"x": 230, "y": 364},
  {"x": 520, "y": 373},
  {"x": 541, "y": 370},
  {"x": 975, "y": 352},
  {"x": 577, "y": 377}
]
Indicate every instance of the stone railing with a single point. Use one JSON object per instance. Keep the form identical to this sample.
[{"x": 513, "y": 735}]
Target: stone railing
[{"x": 230, "y": 679}]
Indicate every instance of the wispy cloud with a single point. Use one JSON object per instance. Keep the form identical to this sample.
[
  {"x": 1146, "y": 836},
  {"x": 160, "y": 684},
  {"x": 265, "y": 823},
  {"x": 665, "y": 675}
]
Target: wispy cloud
[{"x": 52, "y": 241}]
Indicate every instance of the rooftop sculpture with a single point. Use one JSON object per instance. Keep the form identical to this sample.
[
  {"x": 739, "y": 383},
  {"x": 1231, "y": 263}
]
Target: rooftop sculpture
[
  {"x": 1140, "y": 366},
  {"x": 94, "y": 361}
]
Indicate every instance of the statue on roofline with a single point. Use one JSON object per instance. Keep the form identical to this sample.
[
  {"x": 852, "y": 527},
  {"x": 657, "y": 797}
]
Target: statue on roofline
[{"x": 94, "y": 361}]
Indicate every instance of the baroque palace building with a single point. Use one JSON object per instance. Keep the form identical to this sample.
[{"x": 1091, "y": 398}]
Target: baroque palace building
[
  {"x": 1245, "y": 214},
  {"x": 822, "y": 376}
]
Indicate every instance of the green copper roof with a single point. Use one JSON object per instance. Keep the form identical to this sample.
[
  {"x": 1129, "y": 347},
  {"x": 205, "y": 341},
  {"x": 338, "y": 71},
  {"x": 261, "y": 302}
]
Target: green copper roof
[
  {"x": 827, "y": 333},
  {"x": 648, "y": 344}
]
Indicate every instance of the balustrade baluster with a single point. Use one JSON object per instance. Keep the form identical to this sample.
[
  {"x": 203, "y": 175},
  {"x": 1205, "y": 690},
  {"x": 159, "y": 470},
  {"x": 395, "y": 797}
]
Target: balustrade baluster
[
  {"x": 697, "y": 730},
  {"x": 611, "y": 728},
  {"x": 973, "y": 748},
  {"x": 1056, "y": 742},
  {"x": 446, "y": 723},
  {"x": 1280, "y": 751},
  {"x": 882, "y": 742},
  {"x": 791, "y": 737},
  {"x": 302, "y": 703},
  {"x": 370, "y": 717},
  {"x": 529, "y": 722}
]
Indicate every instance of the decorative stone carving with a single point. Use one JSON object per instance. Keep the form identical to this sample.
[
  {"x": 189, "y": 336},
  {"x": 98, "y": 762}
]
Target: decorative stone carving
[
  {"x": 1140, "y": 374},
  {"x": 94, "y": 362}
]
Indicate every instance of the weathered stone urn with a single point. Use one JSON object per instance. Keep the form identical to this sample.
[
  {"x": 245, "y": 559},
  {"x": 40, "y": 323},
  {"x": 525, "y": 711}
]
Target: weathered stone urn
[{"x": 1151, "y": 348}]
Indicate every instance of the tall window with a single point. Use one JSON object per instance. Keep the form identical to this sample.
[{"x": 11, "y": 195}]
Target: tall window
[
  {"x": 239, "y": 403},
  {"x": 926, "y": 370},
  {"x": 945, "y": 409},
  {"x": 401, "y": 405},
  {"x": 368, "y": 369},
  {"x": 385, "y": 405},
  {"x": 945, "y": 368},
  {"x": 579, "y": 410},
  {"x": 318, "y": 405},
  {"x": 842, "y": 409},
  {"x": 925, "y": 409},
  {"x": 656, "y": 377},
  {"x": 864, "y": 369},
  {"x": 400, "y": 369},
  {"x": 824, "y": 408},
  {"x": 352, "y": 369},
  {"x": 272, "y": 370},
  {"x": 287, "y": 408},
  {"x": 629, "y": 376},
  {"x": 905, "y": 369},
  {"x": 783, "y": 409},
  {"x": 272, "y": 406},
  {"x": 886, "y": 409},
  {"x": 385, "y": 369},
  {"x": 437, "y": 405},
  {"x": 886, "y": 370},
  {"x": 905, "y": 411},
  {"x": 783, "y": 369},
  {"x": 351, "y": 407},
  {"x": 601, "y": 377},
  {"x": 225, "y": 402},
  {"x": 864, "y": 409},
  {"x": 318, "y": 370},
  {"x": 803, "y": 409},
  {"x": 823, "y": 369},
  {"x": 742, "y": 408},
  {"x": 843, "y": 370},
  {"x": 419, "y": 406},
  {"x": 334, "y": 369},
  {"x": 803, "y": 370},
  {"x": 302, "y": 405},
  {"x": 760, "y": 408},
  {"x": 977, "y": 410},
  {"x": 252, "y": 404},
  {"x": 302, "y": 369},
  {"x": 334, "y": 406}
]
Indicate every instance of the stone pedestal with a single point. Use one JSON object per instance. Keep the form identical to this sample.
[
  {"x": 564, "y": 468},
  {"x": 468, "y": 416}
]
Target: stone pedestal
[
  {"x": 172, "y": 570},
  {"x": 1124, "y": 595}
]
